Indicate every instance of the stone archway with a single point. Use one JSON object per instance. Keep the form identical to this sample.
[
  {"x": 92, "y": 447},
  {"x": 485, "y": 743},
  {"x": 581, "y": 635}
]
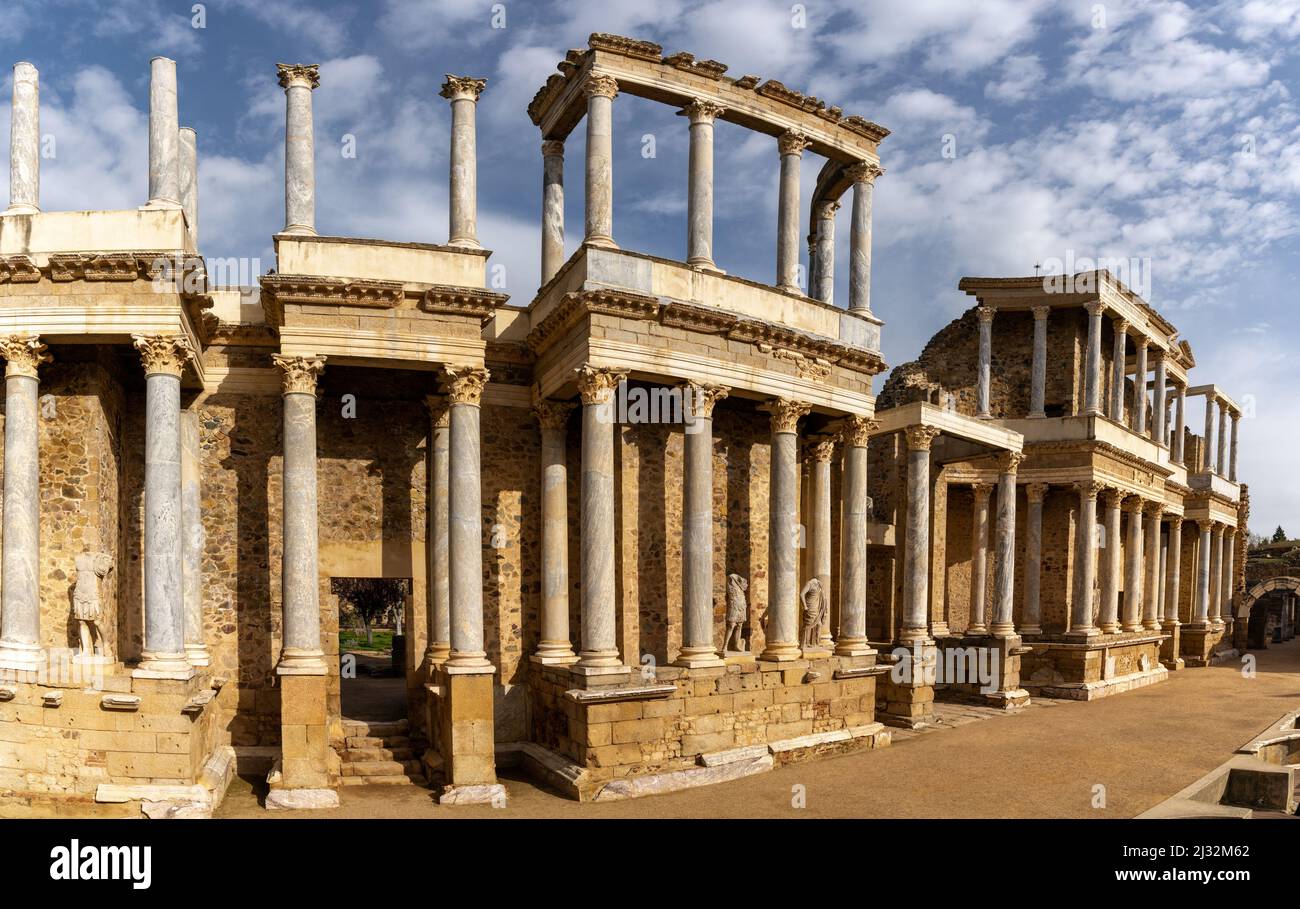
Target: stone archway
[{"x": 1255, "y": 623}]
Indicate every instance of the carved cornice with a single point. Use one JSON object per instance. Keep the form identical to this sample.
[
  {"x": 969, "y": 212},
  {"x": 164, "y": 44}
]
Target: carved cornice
[
  {"x": 23, "y": 355},
  {"x": 856, "y": 430},
  {"x": 163, "y": 354},
  {"x": 700, "y": 398},
  {"x": 298, "y": 74},
  {"x": 683, "y": 60},
  {"x": 628, "y": 47},
  {"x": 309, "y": 290},
  {"x": 576, "y": 306},
  {"x": 599, "y": 85},
  {"x": 792, "y": 142},
  {"x": 18, "y": 270},
  {"x": 148, "y": 265},
  {"x": 550, "y": 413},
  {"x": 446, "y": 299},
  {"x": 465, "y": 384},
  {"x": 920, "y": 437},
  {"x": 596, "y": 384},
  {"x": 1139, "y": 465},
  {"x": 786, "y": 414},
  {"x": 462, "y": 88},
  {"x": 300, "y": 373}
]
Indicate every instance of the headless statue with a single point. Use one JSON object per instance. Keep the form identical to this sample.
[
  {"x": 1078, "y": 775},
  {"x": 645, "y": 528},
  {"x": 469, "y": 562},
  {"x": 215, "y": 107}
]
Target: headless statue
[
  {"x": 737, "y": 613},
  {"x": 92, "y": 567},
  {"x": 814, "y": 608}
]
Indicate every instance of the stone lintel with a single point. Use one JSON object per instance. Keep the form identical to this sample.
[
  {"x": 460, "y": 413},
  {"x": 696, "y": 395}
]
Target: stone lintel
[{"x": 628, "y": 693}]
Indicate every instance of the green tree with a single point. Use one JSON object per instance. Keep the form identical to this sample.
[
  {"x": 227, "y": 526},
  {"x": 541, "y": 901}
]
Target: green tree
[
  {"x": 1279, "y": 535},
  {"x": 372, "y": 600}
]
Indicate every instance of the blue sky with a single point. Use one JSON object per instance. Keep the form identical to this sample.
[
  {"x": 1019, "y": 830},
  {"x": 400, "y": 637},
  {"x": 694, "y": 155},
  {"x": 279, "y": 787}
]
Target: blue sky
[{"x": 1158, "y": 130}]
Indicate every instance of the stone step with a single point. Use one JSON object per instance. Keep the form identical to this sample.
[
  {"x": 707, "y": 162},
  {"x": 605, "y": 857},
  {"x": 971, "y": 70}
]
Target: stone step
[
  {"x": 372, "y": 768},
  {"x": 379, "y": 728},
  {"x": 392, "y": 780},
  {"x": 354, "y": 755}
]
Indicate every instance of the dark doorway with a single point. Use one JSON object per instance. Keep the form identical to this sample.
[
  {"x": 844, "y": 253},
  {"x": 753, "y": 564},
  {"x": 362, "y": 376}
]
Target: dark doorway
[{"x": 372, "y": 646}]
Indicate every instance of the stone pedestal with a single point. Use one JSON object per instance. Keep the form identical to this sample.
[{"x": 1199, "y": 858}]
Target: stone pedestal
[
  {"x": 305, "y": 778},
  {"x": 1007, "y": 651},
  {"x": 465, "y": 735},
  {"x": 1198, "y": 642},
  {"x": 1170, "y": 652},
  {"x": 906, "y": 696}
]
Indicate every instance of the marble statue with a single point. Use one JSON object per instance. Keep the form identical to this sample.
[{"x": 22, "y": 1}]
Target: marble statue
[
  {"x": 737, "y": 613},
  {"x": 814, "y": 608},
  {"x": 91, "y": 568}
]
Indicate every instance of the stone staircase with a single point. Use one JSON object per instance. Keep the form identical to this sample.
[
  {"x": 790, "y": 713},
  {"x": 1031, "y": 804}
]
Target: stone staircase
[{"x": 378, "y": 752}]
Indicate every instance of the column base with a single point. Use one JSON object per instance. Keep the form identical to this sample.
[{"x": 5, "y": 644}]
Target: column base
[
  {"x": 465, "y": 243},
  {"x": 698, "y": 658},
  {"x": 600, "y": 242},
  {"x": 780, "y": 652},
  {"x": 300, "y": 799},
  {"x": 198, "y": 655},
  {"x": 434, "y": 656},
  {"x": 21, "y": 657},
  {"x": 705, "y": 265},
  {"x": 1083, "y": 636},
  {"x": 301, "y": 662},
  {"x": 1031, "y": 629},
  {"x": 161, "y": 205},
  {"x": 976, "y": 631},
  {"x": 791, "y": 289},
  {"x": 1110, "y": 628},
  {"x": 1002, "y": 630},
  {"x": 557, "y": 657},
  {"x": 22, "y": 208},
  {"x": 154, "y": 665},
  {"x": 601, "y": 676},
  {"x": 300, "y": 230},
  {"x": 852, "y": 647},
  {"x": 461, "y": 660},
  {"x": 493, "y": 794}
]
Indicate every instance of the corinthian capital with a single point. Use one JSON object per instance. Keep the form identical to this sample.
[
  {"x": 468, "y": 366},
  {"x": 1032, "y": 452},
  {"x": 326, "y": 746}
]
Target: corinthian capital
[
  {"x": 1010, "y": 461},
  {"x": 551, "y": 414},
  {"x": 856, "y": 430},
  {"x": 700, "y": 398},
  {"x": 1035, "y": 492},
  {"x": 461, "y": 88},
  {"x": 792, "y": 142},
  {"x": 821, "y": 449},
  {"x": 23, "y": 354},
  {"x": 596, "y": 384},
  {"x": 465, "y": 384},
  {"x": 439, "y": 411},
  {"x": 702, "y": 111},
  {"x": 298, "y": 74},
  {"x": 864, "y": 172},
  {"x": 300, "y": 373},
  {"x": 920, "y": 437},
  {"x": 786, "y": 414},
  {"x": 600, "y": 86},
  {"x": 165, "y": 354}
]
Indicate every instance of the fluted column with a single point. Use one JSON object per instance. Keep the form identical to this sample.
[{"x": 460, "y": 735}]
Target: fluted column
[
  {"x": 820, "y": 452},
  {"x": 852, "y": 638},
  {"x": 1180, "y": 416},
  {"x": 20, "y": 547},
  {"x": 1111, "y": 567},
  {"x": 824, "y": 258},
  {"x": 1085, "y": 559},
  {"x": 1216, "y": 574},
  {"x": 1119, "y": 368},
  {"x": 1140, "y": 387},
  {"x": 164, "y": 358},
  {"x": 1173, "y": 569},
  {"x": 1225, "y": 584},
  {"x": 863, "y": 175},
  {"x": 1201, "y": 615},
  {"x": 462, "y": 204},
  {"x": 984, "y": 314},
  {"x": 552, "y": 208},
  {"x": 164, "y": 136},
  {"x": 1232, "y": 451},
  {"x": 1207, "y": 462},
  {"x": 916, "y": 546},
  {"x": 1133, "y": 567},
  {"x": 699, "y": 199},
  {"x": 979, "y": 548},
  {"x": 1160, "y": 431},
  {"x": 1221, "y": 462},
  {"x": 25, "y": 142},
  {"x": 298, "y": 82},
  {"x": 599, "y": 201},
  {"x": 698, "y": 648},
  {"x": 555, "y": 646},
  {"x": 1004, "y": 565},
  {"x": 599, "y": 650},
  {"x": 196, "y": 650},
  {"x": 189, "y": 165},
  {"x": 465, "y": 519},
  {"x": 1032, "y": 617},
  {"x": 1151, "y": 590},
  {"x": 1092, "y": 383},
  {"x": 300, "y": 574},
  {"x": 791, "y": 145},
  {"x": 782, "y": 632},
  {"x": 1038, "y": 367},
  {"x": 437, "y": 533}
]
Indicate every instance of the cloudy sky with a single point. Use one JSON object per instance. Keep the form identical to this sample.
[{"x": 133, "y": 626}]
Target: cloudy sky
[{"x": 1024, "y": 132}]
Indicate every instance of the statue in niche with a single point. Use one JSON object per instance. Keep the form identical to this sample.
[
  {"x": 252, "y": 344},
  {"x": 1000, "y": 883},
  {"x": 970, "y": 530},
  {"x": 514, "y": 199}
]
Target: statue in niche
[
  {"x": 737, "y": 613},
  {"x": 92, "y": 567},
  {"x": 814, "y": 609}
]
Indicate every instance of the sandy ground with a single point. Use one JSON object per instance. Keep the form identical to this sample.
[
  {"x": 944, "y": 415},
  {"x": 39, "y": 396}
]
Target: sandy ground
[{"x": 1143, "y": 746}]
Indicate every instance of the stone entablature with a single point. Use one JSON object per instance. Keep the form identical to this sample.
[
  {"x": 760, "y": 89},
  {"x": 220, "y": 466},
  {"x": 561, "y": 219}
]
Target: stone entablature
[
  {"x": 413, "y": 265},
  {"x": 41, "y": 235}
]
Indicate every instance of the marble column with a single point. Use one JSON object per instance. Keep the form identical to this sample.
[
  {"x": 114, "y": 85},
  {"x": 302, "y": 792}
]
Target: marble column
[
  {"x": 196, "y": 650},
  {"x": 25, "y": 142},
  {"x": 852, "y": 638},
  {"x": 821, "y": 450},
  {"x": 555, "y": 646},
  {"x": 984, "y": 314},
  {"x": 1118, "y": 370},
  {"x": 164, "y": 358},
  {"x": 1140, "y": 387},
  {"x": 189, "y": 164},
  {"x": 698, "y": 647},
  {"x": 699, "y": 199},
  {"x": 1133, "y": 565},
  {"x": 1207, "y": 461},
  {"x": 1173, "y": 569},
  {"x": 437, "y": 533},
  {"x": 465, "y": 519},
  {"x": 1004, "y": 565},
  {"x": 1180, "y": 417},
  {"x": 1201, "y": 615},
  {"x": 916, "y": 546},
  {"x": 1225, "y": 588},
  {"x": 599, "y": 201},
  {"x": 979, "y": 548},
  {"x": 1232, "y": 451},
  {"x": 552, "y": 208},
  {"x": 298, "y": 82},
  {"x": 599, "y": 651},
  {"x": 1160, "y": 410},
  {"x": 164, "y": 136},
  {"x": 20, "y": 547},
  {"x": 1216, "y": 574},
  {"x": 1032, "y": 616},
  {"x": 1151, "y": 589},
  {"x": 1038, "y": 369},
  {"x": 824, "y": 257},
  {"x": 1221, "y": 461},
  {"x": 782, "y": 632},
  {"x": 1092, "y": 384},
  {"x": 300, "y": 574},
  {"x": 1085, "y": 559},
  {"x": 1111, "y": 569},
  {"x": 863, "y": 175},
  {"x": 791, "y": 145},
  {"x": 462, "y": 205}
]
